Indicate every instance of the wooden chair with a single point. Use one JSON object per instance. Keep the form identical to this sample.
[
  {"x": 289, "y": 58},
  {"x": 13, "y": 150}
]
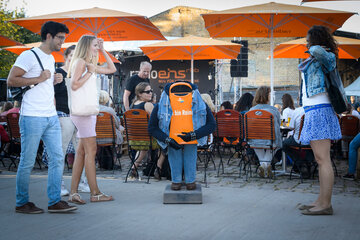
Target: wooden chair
[
  {"x": 349, "y": 125},
  {"x": 301, "y": 160},
  {"x": 106, "y": 136},
  {"x": 259, "y": 124},
  {"x": 229, "y": 134},
  {"x": 4, "y": 145},
  {"x": 15, "y": 141},
  {"x": 138, "y": 137}
]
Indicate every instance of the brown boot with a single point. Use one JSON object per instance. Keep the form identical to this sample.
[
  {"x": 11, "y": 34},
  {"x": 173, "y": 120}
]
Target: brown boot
[
  {"x": 175, "y": 186},
  {"x": 191, "y": 186}
]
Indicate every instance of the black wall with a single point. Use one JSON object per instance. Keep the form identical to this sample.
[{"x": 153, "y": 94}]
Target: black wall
[{"x": 169, "y": 71}]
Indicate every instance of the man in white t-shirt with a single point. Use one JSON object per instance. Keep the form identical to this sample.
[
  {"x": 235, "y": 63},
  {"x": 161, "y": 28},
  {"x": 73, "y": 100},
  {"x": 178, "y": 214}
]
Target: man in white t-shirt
[{"x": 38, "y": 118}]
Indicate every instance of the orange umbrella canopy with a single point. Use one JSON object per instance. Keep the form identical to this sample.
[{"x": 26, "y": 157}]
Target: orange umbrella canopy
[
  {"x": 191, "y": 47},
  {"x": 283, "y": 19},
  {"x": 348, "y": 48},
  {"x": 110, "y": 25},
  {"x": 4, "y": 41},
  {"x": 59, "y": 56}
]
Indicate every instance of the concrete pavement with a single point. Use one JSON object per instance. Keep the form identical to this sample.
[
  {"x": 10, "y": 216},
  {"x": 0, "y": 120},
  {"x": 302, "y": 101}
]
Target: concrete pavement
[{"x": 257, "y": 210}]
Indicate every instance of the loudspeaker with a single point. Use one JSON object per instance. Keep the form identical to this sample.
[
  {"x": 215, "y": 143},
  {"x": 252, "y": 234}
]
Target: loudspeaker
[
  {"x": 234, "y": 68},
  {"x": 239, "y": 67}
]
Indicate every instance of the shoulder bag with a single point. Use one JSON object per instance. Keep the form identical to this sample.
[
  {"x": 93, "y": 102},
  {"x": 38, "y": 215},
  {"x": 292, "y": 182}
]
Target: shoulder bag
[
  {"x": 335, "y": 90},
  {"x": 17, "y": 93},
  {"x": 85, "y": 100}
]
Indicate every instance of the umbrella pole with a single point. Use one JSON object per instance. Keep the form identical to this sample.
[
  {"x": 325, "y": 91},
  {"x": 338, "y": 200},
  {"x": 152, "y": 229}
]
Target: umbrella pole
[
  {"x": 272, "y": 67},
  {"x": 192, "y": 69}
]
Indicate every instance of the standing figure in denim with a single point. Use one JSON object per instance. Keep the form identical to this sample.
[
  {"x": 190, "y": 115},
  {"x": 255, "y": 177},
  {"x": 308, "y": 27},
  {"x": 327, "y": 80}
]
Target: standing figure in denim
[
  {"x": 38, "y": 118},
  {"x": 181, "y": 121},
  {"x": 321, "y": 124}
]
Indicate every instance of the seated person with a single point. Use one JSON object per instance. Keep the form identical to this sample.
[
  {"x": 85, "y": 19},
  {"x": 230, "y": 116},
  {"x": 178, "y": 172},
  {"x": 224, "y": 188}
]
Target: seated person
[
  {"x": 261, "y": 101},
  {"x": 103, "y": 100},
  {"x": 143, "y": 98},
  {"x": 244, "y": 103},
  {"x": 294, "y": 139},
  {"x": 7, "y": 106},
  {"x": 16, "y": 108},
  {"x": 288, "y": 108},
  {"x": 226, "y": 105},
  {"x": 345, "y": 144},
  {"x": 353, "y": 156}
]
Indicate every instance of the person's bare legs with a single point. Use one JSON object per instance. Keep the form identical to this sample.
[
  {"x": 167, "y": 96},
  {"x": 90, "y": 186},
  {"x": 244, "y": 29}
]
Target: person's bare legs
[
  {"x": 321, "y": 149},
  {"x": 90, "y": 168},
  {"x": 160, "y": 161},
  {"x": 78, "y": 166},
  {"x": 141, "y": 157}
]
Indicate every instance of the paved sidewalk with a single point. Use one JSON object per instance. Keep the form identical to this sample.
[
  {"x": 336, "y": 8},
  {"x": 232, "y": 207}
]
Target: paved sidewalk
[{"x": 256, "y": 210}]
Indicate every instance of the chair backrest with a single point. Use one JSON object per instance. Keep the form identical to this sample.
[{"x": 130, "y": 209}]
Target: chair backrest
[
  {"x": 229, "y": 124},
  {"x": 105, "y": 127},
  {"x": 3, "y": 119},
  {"x": 136, "y": 125},
  {"x": 259, "y": 124},
  {"x": 349, "y": 125},
  {"x": 13, "y": 125},
  {"x": 301, "y": 125}
]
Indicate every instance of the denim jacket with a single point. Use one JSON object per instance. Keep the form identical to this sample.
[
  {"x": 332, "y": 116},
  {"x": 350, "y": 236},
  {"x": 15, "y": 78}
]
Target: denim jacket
[
  {"x": 165, "y": 112},
  {"x": 313, "y": 74}
]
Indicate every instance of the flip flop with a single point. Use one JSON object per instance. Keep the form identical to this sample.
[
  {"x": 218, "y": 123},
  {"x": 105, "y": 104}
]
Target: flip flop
[
  {"x": 100, "y": 198},
  {"x": 76, "y": 198}
]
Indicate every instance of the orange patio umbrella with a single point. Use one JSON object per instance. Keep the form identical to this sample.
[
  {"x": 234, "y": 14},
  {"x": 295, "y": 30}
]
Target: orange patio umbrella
[
  {"x": 271, "y": 20},
  {"x": 5, "y": 41},
  {"x": 59, "y": 56},
  {"x": 191, "y": 48},
  {"x": 349, "y": 48},
  {"x": 110, "y": 25}
]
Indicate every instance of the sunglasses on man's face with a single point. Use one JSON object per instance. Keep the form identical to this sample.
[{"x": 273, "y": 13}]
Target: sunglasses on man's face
[{"x": 148, "y": 91}]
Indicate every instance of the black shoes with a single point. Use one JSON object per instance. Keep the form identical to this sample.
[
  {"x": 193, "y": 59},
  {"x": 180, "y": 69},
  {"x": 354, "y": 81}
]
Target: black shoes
[
  {"x": 61, "y": 207},
  {"x": 350, "y": 177},
  {"x": 29, "y": 208}
]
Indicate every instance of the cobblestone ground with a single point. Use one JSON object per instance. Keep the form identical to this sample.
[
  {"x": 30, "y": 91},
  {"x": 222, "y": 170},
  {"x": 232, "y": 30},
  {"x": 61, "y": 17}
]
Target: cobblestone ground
[{"x": 230, "y": 178}]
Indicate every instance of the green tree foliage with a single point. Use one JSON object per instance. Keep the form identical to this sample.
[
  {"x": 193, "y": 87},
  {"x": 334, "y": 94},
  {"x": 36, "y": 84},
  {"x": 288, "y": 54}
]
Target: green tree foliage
[{"x": 14, "y": 32}]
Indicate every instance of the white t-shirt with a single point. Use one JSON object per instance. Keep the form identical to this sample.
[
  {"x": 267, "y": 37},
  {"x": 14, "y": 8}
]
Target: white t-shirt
[
  {"x": 355, "y": 113},
  {"x": 287, "y": 113},
  {"x": 320, "y": 98},
  {"x": 38, "y": 101},
  {"x": 295, "y": 122}
]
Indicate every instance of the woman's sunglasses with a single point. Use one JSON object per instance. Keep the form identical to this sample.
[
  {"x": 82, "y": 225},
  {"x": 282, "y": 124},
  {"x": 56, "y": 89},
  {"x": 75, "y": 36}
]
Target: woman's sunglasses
[{"x": 148, "y": 91}]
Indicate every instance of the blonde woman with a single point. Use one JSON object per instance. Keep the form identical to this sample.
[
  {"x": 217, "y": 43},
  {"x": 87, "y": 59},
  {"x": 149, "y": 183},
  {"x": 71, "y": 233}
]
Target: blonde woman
[
  {"x": 83, "y": 68},
  {"x": 207, "y": 99}
]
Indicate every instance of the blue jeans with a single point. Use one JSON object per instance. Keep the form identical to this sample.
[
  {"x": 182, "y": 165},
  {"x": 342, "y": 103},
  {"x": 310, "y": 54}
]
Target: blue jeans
[
  {"x": 184, "y": 157},
  {"x": 32, "y": 130},
  {"x": 353, "y": 153}
]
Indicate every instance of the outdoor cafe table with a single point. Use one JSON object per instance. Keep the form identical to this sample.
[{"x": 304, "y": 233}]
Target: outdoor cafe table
[{"x": 284, "y": 132}]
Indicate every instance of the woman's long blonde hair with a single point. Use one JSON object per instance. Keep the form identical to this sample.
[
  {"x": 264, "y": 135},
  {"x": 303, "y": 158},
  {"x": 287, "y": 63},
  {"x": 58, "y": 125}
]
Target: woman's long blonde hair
[{"x": 82, "y": 52}]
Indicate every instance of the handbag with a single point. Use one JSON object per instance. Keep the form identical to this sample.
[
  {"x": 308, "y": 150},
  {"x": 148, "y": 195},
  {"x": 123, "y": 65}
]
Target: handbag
[
  {"x": 335, "y": 90},
  {"x": 85, "y": 100},
  {"x": 17, "y": 93}
]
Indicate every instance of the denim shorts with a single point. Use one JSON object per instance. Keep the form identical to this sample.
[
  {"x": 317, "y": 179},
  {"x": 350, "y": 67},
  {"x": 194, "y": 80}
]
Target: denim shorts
[{"x": 320, "y": 123}]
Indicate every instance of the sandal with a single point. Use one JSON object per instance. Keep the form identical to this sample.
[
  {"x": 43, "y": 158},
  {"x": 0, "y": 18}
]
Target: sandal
[
  {"x": 101, "y": 197},
  {"x": 76, "y": 198}
]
